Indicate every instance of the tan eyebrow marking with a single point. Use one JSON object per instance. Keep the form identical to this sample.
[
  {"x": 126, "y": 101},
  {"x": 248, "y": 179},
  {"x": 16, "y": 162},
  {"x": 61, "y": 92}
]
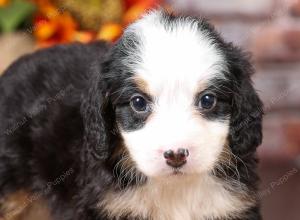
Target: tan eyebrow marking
[
  {"x": 142, "y": 84},
  {"x": 201, "y": 86}
]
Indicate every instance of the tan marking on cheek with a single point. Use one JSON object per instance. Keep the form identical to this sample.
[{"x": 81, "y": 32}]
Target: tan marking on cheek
[
  {"x": 122, "y": 151},
  {"x": 12, "y": 205},
  {"x": 226, "y": 154},
  {"x": 19, "y": 206},
  {"x": 121, "y": 156}
]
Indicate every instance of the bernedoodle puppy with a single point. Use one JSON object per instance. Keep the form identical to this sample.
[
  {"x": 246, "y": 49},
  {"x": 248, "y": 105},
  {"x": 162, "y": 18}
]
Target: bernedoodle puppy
[{"x": 162, "y": 125}]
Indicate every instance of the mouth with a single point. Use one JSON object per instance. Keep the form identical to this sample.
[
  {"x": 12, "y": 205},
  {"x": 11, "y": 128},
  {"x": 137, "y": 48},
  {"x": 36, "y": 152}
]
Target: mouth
[{"x": 177, "y": 172}]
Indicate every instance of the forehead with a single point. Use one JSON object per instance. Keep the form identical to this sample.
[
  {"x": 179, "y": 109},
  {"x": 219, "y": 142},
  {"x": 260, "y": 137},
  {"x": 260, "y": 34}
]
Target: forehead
[{"x": 175, "y": 54}]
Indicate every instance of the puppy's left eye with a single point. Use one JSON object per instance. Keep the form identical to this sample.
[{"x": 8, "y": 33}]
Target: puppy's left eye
[
  {"x": 207, "y": 102},
  {"x": 139, "y": 104}
]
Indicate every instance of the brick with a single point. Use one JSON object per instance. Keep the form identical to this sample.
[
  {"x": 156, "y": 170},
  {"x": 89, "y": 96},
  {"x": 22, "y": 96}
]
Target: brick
[
  {"x": 278, "y": 86},
  {"x": 280, "y": 202},
  {"x": 295, "y": 8},
  {"x": 238, "y": 31},
  {"x": 292, "y": 39},
  {"x": 292, "y": 131},
  {"x": 277, "y": 43},
  {"x": 281, "y": 134},
  {"x": 228, "y": 8}
]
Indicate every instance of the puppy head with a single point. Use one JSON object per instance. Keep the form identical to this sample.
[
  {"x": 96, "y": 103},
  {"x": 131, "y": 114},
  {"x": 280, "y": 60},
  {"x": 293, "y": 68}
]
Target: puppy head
[{"x": 173, "y": 85}]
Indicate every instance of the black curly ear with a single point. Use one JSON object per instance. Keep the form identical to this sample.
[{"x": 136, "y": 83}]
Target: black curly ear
[
  {"x": 98, "y": 119},
  {"x": 247, "y": 109},
  {"x": 246, "y": 120}
]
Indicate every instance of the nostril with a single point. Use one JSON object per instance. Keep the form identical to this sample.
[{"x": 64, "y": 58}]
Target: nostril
[
  {"x": 183, "y": 153},
  {"x": 169, "y": 154}
]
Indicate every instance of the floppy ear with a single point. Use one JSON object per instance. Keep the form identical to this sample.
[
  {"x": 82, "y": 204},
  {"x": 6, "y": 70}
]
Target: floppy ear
[
  {"x": 247, "y": 109},
  {"x": 98, "y": 119}
]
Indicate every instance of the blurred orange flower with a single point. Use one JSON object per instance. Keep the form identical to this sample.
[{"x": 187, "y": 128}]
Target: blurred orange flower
[
  {"x": 3, "y": 3},
  {"x": 134, "y": 9},
  {"x": 110, "y": 32},
  {"x": 58, "y": 29},
  {"x": 137, "y": 8},
  {"x": 54, "y": 25}
]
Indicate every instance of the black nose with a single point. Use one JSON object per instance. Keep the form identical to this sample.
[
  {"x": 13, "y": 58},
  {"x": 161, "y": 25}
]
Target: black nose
[{"x": 176, "y": 159}]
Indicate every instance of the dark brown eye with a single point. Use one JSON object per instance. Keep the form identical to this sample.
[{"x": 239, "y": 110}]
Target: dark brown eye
[
  {"x": 139, "y": 104},
  {"x": 207, "y": 102}
]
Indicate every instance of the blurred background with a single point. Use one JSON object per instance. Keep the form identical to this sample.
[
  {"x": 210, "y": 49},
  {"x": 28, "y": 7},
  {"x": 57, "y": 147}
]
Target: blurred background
[{"x": 270, "y": 29}]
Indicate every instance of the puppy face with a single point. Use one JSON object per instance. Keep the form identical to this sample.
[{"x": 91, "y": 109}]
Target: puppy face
[{"x": 172, "y": 109}]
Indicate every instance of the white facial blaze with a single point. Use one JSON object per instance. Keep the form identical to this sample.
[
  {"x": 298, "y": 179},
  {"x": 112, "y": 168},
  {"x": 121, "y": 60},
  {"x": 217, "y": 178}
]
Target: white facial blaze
[{"x": 176, "y": 64}]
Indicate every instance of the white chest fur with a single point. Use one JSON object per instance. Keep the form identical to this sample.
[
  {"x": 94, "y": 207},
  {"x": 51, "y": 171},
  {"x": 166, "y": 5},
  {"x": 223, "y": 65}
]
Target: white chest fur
[{"x": 177, "y": 198}]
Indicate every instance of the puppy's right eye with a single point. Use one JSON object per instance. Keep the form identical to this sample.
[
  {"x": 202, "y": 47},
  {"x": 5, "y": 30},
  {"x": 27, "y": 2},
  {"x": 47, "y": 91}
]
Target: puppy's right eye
[{"x": 139, "y": 104}]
